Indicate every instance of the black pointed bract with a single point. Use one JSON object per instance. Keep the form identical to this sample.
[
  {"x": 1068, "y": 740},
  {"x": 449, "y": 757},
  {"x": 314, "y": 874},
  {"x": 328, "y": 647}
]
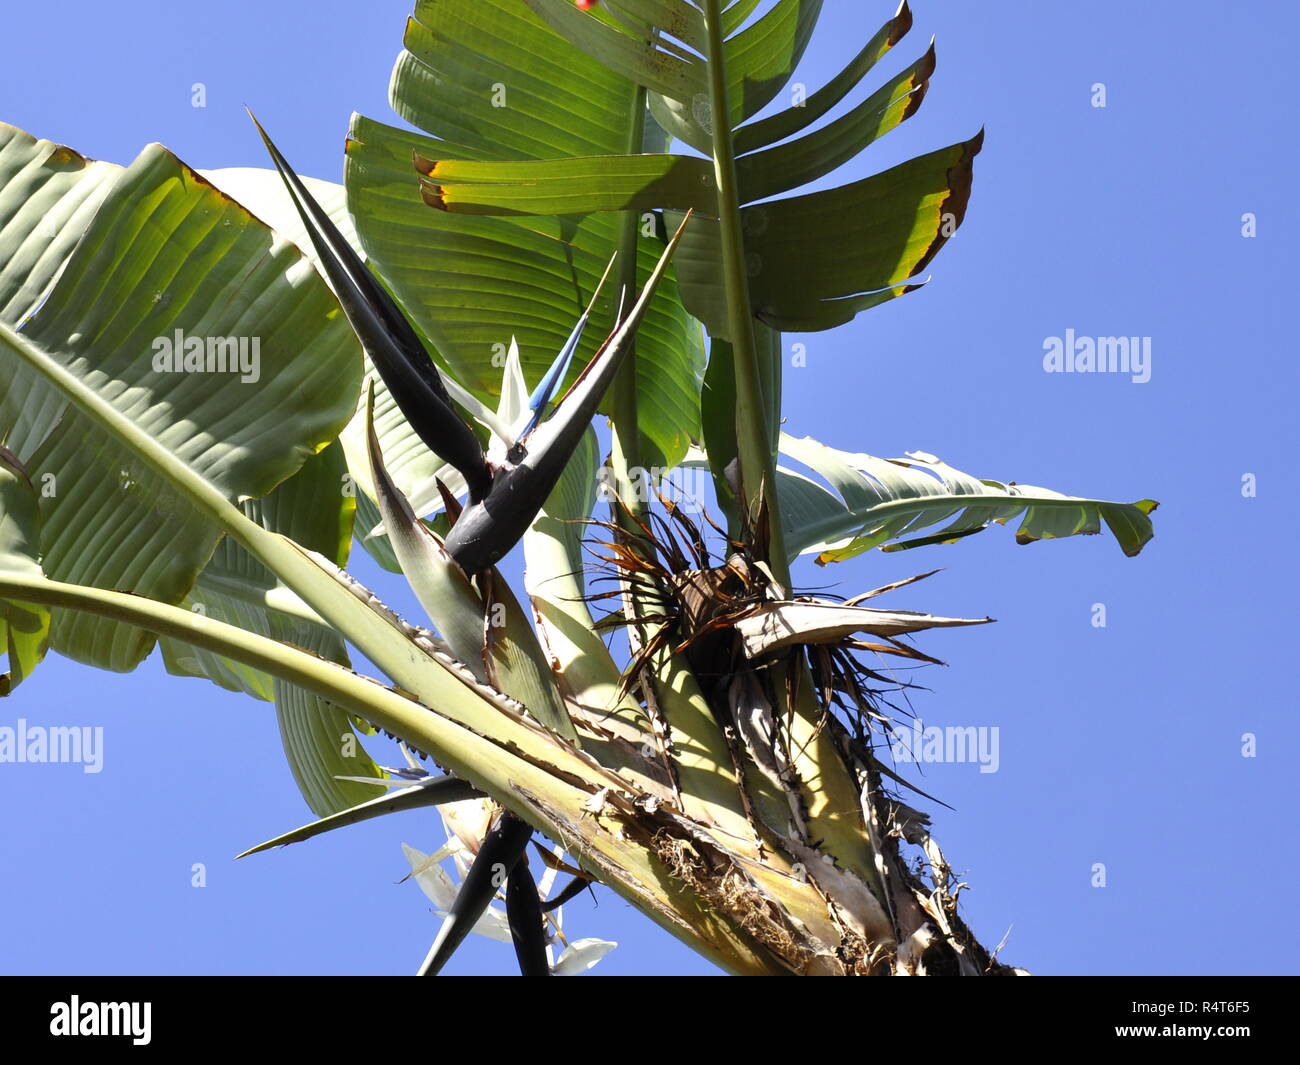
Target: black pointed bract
[
  {"x": 489, "y": 528},
  {"x": 572, "y": 890},
  {"x": 389, "y": 339},
  {"x": 527, "y": 925},
  {"x": 502, "y": 848}
]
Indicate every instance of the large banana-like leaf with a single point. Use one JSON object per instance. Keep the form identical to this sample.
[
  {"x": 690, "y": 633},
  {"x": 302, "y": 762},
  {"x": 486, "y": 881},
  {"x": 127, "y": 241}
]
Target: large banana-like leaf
[
  {"x": 892, "y": 502},
  {"x": 795, "y": 163},
  {"x": 760, "y": 57},
  {"x": 24, "y": 627},
  {"x": 470, "y": 284},
  {"x": 48, "y": 194},
  {"x": 164, "y": 261},
  {"x": 813, "y": 261}
]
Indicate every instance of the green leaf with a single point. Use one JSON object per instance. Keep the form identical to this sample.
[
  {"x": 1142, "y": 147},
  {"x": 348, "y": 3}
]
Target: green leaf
[
  {"x": 465, "y": 710},
  {"x": 458, "y": 52},
  {"x": 880, "y": 502},
  {"x": 24, "y": 627},
  {"x": 470, "y": 283},
  {"x": 680, "y": 77},
  {"x": 48, "y": 194},
  {"x": 165, "y": 251},
  {"x": 817, "y": 261},
  {"x": 682, "y": 122},
  {"x": 761, "y": 58},
  {"x": 675, "y": 18},
  {"x": 569, "y": 186},
  {"x": 698, "y": 264},
  {"x": 736, "y": 13},
  {"x": 319, "y": 739},
  {"x": 787, "y": 123},
  {"x": 798, "y": 162},
  {"x": 818, "y": 257}
]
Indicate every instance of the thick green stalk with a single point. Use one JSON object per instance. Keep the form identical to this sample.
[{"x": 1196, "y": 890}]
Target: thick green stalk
[
  {"x": 756, "y": 466},
  {"x": 626, "y": 452}
]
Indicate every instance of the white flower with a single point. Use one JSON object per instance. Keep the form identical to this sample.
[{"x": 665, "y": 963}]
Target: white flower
[{"x": 581, "y": 956}]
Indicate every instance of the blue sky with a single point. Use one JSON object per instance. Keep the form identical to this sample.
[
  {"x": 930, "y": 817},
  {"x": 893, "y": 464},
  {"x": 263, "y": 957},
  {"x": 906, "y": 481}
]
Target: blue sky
[{"x": 1119, "y": 745}]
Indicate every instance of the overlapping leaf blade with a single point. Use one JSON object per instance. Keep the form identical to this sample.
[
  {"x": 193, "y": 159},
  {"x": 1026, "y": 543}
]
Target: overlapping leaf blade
[
  {"x": 815, "y": 261},
  {"x": 165, "y": 251},
  {"x": 761, "y": 57},
  {"x": 472, "y": 283},
  {"x": 580, "y": 185},
  {"x": 794, "y": 119},
  {"x": 798, "y": 162}
]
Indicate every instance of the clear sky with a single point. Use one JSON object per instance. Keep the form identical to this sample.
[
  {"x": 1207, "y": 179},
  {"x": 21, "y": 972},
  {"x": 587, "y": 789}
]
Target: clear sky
[{"x": 1120, "y": 745}]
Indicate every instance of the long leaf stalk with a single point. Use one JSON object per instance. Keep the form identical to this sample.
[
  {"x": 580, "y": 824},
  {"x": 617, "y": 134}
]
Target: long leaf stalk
[
  {"x": 631, "y": 479},
  {"x": 757, "y": 470},
  {"x": 626, "y": 454}
]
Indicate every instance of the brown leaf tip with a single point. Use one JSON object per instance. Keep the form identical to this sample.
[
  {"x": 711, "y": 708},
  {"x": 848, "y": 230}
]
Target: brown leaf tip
[
  {"x": 902, "y": 23},
  {"x": 433, "y": 195}
]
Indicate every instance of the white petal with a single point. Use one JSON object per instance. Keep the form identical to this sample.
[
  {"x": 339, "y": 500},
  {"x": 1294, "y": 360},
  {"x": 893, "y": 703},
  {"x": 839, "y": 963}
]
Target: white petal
[
  {"x": 441, "y": 890},
  {"x": 547, "y": 879},
  {"x": 493, "y": 925},
  {"x": 581, "y": 956},
  {"x": 433, "y": 880},
  {"x": 468, "y": 821},
  {"x": 512, "y": 410}
]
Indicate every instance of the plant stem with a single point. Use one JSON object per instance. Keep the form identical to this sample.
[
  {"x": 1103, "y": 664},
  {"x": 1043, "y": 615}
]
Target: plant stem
[
  {"x": 626, "y": 452},
  {"x": 756, "y": 466}
]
